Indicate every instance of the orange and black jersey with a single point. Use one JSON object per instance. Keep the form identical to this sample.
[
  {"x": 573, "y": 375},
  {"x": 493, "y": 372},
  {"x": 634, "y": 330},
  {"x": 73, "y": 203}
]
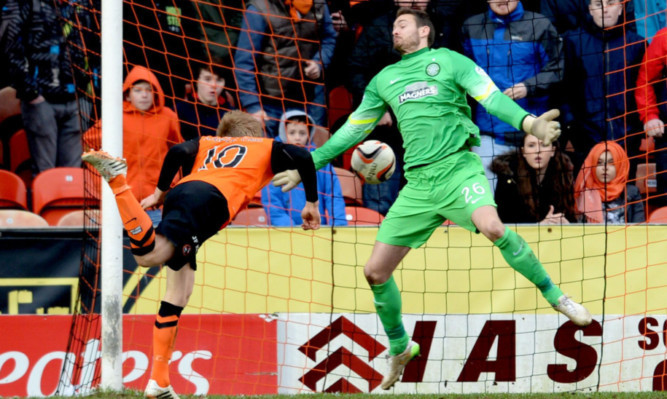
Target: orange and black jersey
[{"x": 237, "y": 166}]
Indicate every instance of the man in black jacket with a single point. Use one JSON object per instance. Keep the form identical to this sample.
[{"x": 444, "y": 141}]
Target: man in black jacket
[
  {"x": 40, "y": 69},
  {"x": 602, "y": 61}
]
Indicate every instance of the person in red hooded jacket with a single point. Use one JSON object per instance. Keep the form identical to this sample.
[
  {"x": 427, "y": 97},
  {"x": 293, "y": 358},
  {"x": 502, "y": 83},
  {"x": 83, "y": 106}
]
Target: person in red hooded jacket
[
  {"x": 651, "y": 96},
  {"x": 149, "y": 130}
]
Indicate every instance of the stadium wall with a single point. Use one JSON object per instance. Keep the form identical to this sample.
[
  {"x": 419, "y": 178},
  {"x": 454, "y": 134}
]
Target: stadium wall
[{"x": 290, "y": 312}]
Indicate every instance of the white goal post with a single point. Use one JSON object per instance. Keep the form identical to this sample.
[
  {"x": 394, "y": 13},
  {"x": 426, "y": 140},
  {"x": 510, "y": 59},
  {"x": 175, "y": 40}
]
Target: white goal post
[{"x": 111, "y": 226}]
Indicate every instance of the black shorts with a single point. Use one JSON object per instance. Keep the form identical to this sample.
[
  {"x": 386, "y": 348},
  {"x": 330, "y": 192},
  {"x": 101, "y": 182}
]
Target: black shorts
[{"x": 193, "y": 212}]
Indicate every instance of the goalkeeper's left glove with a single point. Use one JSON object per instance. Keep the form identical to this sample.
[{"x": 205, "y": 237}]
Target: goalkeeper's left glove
[
  {"x": 288, "y": 179},
  {"x": 544, "y": 127}
]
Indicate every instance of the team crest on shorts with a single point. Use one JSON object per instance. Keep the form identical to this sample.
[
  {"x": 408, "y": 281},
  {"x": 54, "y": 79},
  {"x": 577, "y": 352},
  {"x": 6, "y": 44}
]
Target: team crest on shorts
[
  {"x": 187, "y": 249},
  {"x": 432, "y": 69}
]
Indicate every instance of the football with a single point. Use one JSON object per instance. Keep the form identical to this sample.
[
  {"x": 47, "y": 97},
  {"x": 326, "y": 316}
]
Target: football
[{"x": 373, "y": 161}]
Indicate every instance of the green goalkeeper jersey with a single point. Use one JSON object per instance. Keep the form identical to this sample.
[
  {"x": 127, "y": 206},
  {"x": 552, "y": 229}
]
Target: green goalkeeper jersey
[{"x": 427, "y": 92}]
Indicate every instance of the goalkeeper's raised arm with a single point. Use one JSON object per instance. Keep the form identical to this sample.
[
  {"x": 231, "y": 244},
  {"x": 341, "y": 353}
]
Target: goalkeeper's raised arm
[
  {"x": 360, "y": 123},
  {"x": 480, "y": 87}
]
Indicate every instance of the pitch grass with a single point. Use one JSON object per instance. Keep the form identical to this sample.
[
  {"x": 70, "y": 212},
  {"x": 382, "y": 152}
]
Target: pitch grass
[{"x": 563, "y": 395}]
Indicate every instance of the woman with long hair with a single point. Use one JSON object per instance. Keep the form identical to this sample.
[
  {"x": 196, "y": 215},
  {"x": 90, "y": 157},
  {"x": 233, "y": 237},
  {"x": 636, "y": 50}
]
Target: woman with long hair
[{"x": 534, "y": 184}]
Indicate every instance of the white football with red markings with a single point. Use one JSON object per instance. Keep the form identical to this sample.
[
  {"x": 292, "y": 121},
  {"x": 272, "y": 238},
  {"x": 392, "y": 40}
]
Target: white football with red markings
[{"x": 373, "y": 161}]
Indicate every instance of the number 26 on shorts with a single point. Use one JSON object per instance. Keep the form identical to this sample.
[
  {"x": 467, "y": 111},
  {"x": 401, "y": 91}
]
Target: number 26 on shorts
[{"x": 473, "y": 193}]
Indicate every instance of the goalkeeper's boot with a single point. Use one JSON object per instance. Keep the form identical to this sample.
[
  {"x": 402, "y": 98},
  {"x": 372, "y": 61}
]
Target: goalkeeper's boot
[
  {"x": 153, "y": 390},
  {"x": 108, "y": 166},
  {"x": 397, "y": 364},
  {"x": 574, "y": 311}
]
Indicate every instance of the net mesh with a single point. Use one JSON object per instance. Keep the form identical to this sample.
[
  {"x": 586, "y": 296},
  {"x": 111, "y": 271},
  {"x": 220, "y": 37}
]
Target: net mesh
[{"x": 282, "y": 310}]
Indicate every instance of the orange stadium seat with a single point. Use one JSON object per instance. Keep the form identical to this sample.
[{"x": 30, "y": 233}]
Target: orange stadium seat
[
  {"x": 256, "y": 201},
  {"x": 659, "y": 215},
  {"x": 13, "y": 193},
  {"x": 251, "y": 217},
  {"x": 12, "y": 218},
  {"x": 58, "y": 191},
  {"x": 360, "y": 216},
  {"x": 78, "y": 218},
  {"x": 350, "y": 185}
]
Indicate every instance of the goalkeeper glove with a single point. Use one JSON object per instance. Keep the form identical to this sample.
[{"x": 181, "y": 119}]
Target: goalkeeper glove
[
  {"x": 288, "y": 179},
  {"x": 544, "y": 127}
]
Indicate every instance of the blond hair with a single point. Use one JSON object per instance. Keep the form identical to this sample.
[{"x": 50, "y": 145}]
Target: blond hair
[{"x": 239, "y": 124}]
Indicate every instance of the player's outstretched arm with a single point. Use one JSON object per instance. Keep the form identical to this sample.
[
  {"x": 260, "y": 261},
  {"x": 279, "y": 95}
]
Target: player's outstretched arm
[
  {"x": 311, "y": 216},
  {"x": 544, "y": 127},
  {"x": 479, "y": 86},
  {"x": 296, "y": 161},
  {"x": 179, "y": 157}
]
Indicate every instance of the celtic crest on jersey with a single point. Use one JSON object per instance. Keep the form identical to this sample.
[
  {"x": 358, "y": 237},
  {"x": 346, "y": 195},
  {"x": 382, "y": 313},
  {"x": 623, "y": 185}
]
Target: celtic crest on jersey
[{"x": 433, "y": 69}]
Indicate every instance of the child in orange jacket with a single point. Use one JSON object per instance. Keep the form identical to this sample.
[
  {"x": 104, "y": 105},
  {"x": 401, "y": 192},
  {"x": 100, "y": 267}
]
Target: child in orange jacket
[{"x": 149, "y": 130}]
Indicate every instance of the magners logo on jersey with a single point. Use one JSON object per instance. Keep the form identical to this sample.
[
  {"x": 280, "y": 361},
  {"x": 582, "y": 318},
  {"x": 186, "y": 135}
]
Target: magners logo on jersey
[{"x": 416, "y": 91}]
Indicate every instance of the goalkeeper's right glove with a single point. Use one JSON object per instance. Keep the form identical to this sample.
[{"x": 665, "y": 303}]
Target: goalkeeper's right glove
[
  {"x": 288, "y": 179},
  {"x": 544, "y": 127}
]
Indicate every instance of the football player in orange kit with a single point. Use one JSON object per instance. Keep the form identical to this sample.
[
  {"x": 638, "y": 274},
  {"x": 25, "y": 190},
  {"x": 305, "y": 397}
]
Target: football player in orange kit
[{"x": 223, "y": 174}]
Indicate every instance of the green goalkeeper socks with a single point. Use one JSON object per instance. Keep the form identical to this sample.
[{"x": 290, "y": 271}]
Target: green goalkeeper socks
[
  {"x": 522, "y": 259},
  {"x": 387, "y": 300}
]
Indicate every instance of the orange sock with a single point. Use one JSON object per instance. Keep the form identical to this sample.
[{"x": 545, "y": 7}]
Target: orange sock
[
  {"x": 136, "y": 221},
  {"x": 164, "y": 337}
]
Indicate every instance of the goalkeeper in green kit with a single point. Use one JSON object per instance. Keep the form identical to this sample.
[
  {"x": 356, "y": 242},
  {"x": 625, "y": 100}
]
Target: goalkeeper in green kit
[{"x": 427, "y": 90}]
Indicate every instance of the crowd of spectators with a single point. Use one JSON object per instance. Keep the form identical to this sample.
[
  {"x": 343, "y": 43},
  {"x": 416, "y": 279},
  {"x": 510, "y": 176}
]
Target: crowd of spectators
[
  {"x": 521, "y": 52},
  {"x": 601, "y": 62}
]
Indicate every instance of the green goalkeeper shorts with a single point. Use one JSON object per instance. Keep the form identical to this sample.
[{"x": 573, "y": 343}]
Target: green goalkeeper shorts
[{"x": 450, "y": 189}]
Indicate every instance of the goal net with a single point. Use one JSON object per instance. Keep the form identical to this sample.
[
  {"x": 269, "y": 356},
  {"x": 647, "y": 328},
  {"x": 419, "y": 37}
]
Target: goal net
[{"x": 280, "y": 310}]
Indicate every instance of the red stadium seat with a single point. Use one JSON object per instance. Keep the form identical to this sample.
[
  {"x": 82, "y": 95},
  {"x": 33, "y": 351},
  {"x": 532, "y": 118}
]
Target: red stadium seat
[
  {"x": 58, "y": 191},
  {"x": 13, "y": 194},
  {"x": 647, "y": 145},
  {"x": 658, "y": 216},
  {"x": 350, "y": 185},
  {"x": 646, "y": 178},
  {"x": 13, "y": 218},
  {"x": 340, "y": 104},
  {"x": 251, "y": 217},
  {"x": 20, "y": 161},
  {"x": 10, "y": 122},
  {"x": 9, "y": 104},
  {"x": 360, "y": 216}
]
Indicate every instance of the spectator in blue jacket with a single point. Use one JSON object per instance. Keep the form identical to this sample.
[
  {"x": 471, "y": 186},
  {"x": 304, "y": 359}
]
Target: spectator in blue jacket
[
  {"x": 282, "y": 51},
  {"x": 602, "y": 60},
  {"x": 650, "y": 17},
  {"x": 284, "y": 209},
  {"x": 202, "y": 109},
  {"x": 521, "y": 51}
]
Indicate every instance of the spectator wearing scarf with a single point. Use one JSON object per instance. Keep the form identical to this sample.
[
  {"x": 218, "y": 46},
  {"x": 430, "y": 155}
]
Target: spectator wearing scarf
[{"x": 601, "y": 190}]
